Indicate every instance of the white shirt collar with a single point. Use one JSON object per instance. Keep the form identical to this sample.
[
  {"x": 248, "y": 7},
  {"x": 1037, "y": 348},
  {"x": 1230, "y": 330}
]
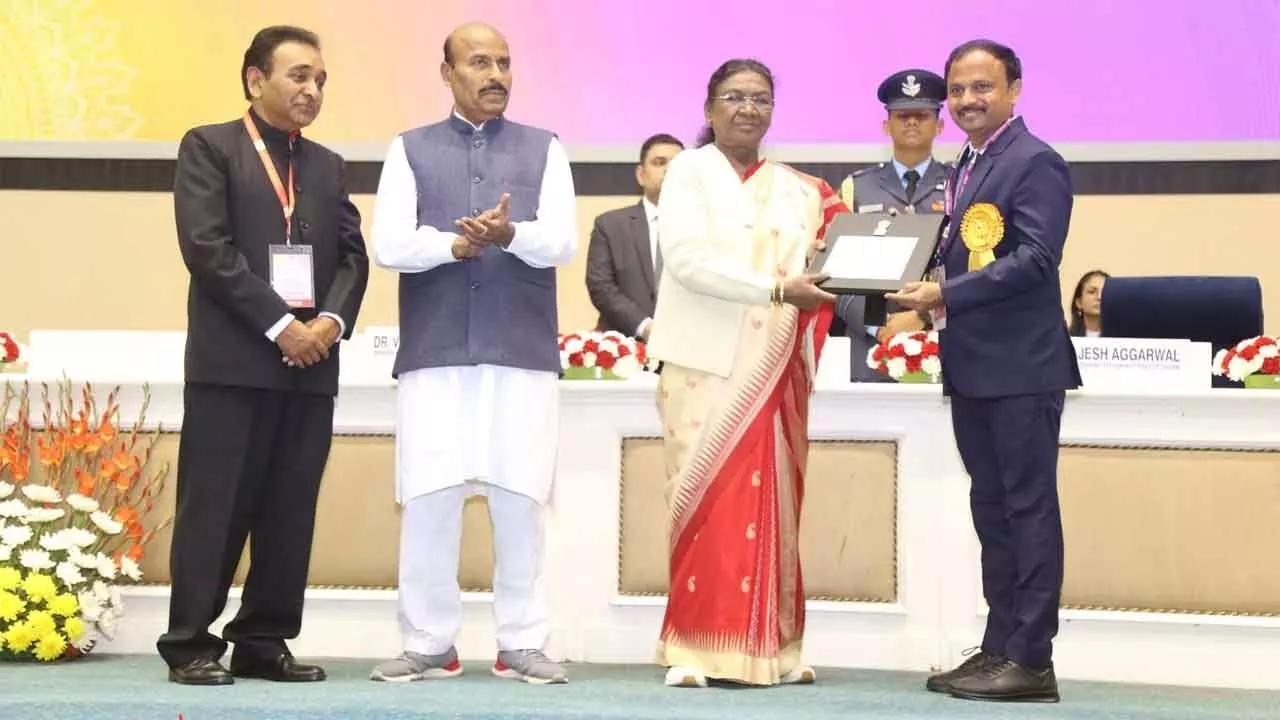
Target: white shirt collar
[
  {"x": 459, "y": 116},
  {"x": 650, "y": 210}
]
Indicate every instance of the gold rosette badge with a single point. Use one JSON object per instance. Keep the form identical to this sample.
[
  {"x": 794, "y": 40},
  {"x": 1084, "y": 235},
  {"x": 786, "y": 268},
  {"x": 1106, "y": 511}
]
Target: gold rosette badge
[{"x": 981, "y": 229}]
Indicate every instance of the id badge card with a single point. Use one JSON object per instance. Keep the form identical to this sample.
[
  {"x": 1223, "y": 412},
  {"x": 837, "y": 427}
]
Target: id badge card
[
  {"x": 938, "y": 315},
  {"x": 292, "y": 276}
]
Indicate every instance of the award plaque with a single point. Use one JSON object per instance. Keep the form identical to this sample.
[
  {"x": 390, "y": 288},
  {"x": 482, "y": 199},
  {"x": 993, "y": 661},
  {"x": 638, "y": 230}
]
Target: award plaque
[
  {"x": 870, "y": 255},
  {"x": 876, "y": 254}
]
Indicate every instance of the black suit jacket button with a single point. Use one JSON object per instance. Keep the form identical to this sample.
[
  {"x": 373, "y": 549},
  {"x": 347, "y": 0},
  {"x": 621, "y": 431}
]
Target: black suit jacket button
[{"x": 304, "y": 225}]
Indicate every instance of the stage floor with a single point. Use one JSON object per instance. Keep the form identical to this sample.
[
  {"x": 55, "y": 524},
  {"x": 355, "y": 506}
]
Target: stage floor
[{"x": 134, "y": 688}]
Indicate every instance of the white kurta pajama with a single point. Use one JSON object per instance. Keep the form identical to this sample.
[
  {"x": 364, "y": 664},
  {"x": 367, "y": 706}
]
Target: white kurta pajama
[{"x": 467, "y": 430}]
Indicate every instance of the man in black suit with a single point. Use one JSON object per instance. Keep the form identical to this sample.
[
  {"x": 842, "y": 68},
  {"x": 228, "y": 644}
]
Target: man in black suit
[
  {"x": 1007, "y": 361},
  {"x": 278, "y": 273},
  {"x": 623, "y": 264}
]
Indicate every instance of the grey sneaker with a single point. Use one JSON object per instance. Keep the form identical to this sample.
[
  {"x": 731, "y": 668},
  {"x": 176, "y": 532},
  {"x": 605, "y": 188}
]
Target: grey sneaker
[
  {"x": 411, "y": 666},
  {"x": 531, "y": 666}
]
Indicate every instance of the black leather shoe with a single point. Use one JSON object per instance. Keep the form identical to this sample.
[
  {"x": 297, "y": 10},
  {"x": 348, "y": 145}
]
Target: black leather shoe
[
  {"x": 278, "y": 668},
  {"x": 1008, "y": 681},
  {"x": 201, "y": 671},
  {"x": 941, "y": 682}
]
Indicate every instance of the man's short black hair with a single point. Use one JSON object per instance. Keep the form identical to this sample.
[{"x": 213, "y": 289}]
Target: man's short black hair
[
  {"x": 263, "y": 48},
  {"x": 659, "y": 139},
  {"x": 1003, "y": 53}
]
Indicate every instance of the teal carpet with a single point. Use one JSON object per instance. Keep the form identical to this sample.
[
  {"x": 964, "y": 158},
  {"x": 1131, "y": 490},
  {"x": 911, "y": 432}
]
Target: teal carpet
[{"x": 134, "y": 688}]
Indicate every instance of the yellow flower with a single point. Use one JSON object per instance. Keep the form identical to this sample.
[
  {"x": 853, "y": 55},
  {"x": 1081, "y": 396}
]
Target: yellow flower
[
  {"x": 64, "y": 605},
  {"x": 19, "y": 637},
  {"x": 51, "y": 647},
  {"x": 11, "y": 606},
  {"x": 39, "y": 587},
  {"x": 74, "y": 628},
  {"x": 9, "y": 578},
  {"x": 41, "y": 623}
]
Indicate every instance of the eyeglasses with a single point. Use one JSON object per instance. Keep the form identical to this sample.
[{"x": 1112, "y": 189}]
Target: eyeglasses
[{"x": 764, "y": 103}]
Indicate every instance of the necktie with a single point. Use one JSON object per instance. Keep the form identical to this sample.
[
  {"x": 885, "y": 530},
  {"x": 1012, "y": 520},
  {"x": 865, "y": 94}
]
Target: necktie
[{"x": 913, "y": 179}]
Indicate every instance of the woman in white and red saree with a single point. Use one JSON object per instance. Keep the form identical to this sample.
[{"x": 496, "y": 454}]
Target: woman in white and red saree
[{"x": 739, "y": 327}]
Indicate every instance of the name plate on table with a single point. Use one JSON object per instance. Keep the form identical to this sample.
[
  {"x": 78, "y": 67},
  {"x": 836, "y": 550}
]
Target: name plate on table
[
  {"x": 1141, "y": 364},
  {"x": 383, "y": 340}
]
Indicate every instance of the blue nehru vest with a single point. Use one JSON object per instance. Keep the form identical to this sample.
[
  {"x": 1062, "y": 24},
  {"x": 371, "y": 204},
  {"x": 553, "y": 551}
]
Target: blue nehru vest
[{"x": 494, "y": 309}]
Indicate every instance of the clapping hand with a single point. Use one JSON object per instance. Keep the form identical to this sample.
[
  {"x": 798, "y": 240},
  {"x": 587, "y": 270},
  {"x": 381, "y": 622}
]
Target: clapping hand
[{"x": 492, "y": 227}]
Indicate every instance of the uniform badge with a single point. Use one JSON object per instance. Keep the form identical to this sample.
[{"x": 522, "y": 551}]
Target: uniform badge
[
  {"x": 878, "y": 207},
  {"x": 938, "y": 206},
  {"x": 981, "y": 229},
  {"x": 911, "y": 86}
]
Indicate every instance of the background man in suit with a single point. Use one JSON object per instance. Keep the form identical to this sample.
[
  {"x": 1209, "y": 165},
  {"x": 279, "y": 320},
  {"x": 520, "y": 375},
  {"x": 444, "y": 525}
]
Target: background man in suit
[
  {"x": 911, "y": 182},
  {"x": 623, "y": 261},
  {"x": 278, "y": 274},
  {"x": 1006, "y": 361}
]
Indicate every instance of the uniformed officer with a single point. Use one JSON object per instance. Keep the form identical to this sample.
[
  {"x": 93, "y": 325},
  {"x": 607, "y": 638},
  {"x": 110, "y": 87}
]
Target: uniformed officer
[{"x": 911, "y": 182}]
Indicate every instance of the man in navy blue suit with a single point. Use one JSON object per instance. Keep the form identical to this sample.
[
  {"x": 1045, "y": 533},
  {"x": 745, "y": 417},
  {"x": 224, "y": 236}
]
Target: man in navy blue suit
[{"x": 1007, "y": 361}]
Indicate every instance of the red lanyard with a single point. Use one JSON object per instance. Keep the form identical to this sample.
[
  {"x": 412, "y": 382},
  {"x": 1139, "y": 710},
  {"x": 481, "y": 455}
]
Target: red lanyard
[
  {"x": 286, "y": 200},
  {"x": 952, "y": 190}
]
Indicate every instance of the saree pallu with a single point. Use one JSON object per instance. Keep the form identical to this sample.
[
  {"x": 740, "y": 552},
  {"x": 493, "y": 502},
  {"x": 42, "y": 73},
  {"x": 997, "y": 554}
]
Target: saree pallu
[{"x": 736, "y": 449}]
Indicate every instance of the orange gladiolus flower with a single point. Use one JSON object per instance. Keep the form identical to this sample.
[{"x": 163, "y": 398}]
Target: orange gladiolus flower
[
  {"x": 52, "y": 453},
  {"x": 85, "y": 483}
]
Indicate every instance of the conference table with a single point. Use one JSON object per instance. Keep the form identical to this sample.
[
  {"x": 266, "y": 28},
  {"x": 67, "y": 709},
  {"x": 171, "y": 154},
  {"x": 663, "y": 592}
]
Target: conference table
[{"x": 1169, "y": 503}]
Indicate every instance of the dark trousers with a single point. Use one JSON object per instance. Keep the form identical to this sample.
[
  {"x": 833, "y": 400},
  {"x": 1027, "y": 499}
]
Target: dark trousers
[
  {"x": 1009, "y": 447},
  {"x": 249, "y": 465}
]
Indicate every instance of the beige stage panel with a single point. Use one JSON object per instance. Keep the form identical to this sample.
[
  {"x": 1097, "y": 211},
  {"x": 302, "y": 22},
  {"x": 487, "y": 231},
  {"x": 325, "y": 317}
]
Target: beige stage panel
[
  {"x": 1171, "y": 530},
  {"x": 848, "y": 526}
]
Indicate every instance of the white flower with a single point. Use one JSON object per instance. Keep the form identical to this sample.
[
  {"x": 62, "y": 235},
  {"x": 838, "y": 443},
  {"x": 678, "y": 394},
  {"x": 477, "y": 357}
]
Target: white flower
[
  {"x": 14, "y": 508},
  {"x": 6, "y": 552},
  {"x": 106, "y": 567},
  {"x": 1269, "y": 351},
  {"x": 69, "y": 574},
  {"x": 626, "y": 366},
  {"x": 117, "y": 602},
  {"x": 82, "y": 503},
  {"x": 82, "y": 559},
  {"x": 932, "y": 366},
  {"x": 107, "y": 625},
  {"x": 897, "y": 367},
  {"x": 16, "y": 535},
  {"x": 912, "y": 347},
  {"x": 106, "y": 523},
  {"x": 574, "y": 345},
  {"x": 35, "y": 560},
  {"x": 55, "y": 542},
  {"x": 80, "y": 538},
  {"x": 130, "y": 569},
  {"x": 86, "y": 642},
  {"x": 588, "y": 360},
  {"x": 41, "y": 494},
  {"x": 6, "y": 489},
  {"x": 101, "y": 592},
  {"x": 44, "y": 515},
  {"x": 90, "y": 608},
  {"x": 1239, "y": 368}
]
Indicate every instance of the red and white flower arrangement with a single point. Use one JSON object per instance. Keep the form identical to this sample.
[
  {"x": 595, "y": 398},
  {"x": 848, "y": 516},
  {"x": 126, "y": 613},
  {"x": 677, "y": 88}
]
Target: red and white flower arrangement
[
  {"x": 601, "y": 355},
  {"x": 11, "y": 354},
  {"x": 1254, "y": 361},
  {"x": 908, "y": 357}
]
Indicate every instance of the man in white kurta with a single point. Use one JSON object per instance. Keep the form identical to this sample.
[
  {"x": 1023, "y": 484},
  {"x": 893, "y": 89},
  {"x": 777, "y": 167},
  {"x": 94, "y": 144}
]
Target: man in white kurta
[{"x": 478, "y": 364}]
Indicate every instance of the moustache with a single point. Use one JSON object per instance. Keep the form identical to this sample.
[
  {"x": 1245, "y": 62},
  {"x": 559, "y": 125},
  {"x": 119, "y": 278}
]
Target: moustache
[
  {"x": 972, "y": 108},
  {"x": 494, "y": 88}
]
